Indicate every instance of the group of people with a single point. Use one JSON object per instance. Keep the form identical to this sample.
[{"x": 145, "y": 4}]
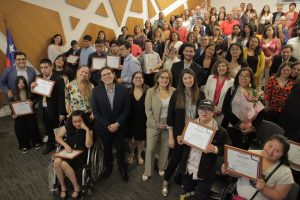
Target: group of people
[{"x": 200, "y": 66}]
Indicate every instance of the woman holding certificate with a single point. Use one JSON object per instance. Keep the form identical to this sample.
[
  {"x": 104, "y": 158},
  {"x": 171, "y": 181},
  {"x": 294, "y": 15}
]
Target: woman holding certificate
[
  {"x": 182, "y": 108},
  {"x": 61, "y": 68},
  {"x": 240, "y": 109},
  {"x": 276, "y": 180},
  {"x": 156, "y": 107},
  {"x": 26, "y": 126},
  {"x": 78, "y": 137},
  {"x": 198, "y": 167}
]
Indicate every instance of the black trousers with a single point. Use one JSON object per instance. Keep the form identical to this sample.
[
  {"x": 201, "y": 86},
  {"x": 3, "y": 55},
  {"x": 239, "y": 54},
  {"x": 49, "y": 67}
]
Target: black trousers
[
  {"x": 202, "y": 187},
  {"x": 149, "y": 79},
  {"x": 274, "y": 117},
  {"x": 27, "y": 131},
  {"x": 50, "y": 123},
  {"x": 176, "y": 154},
  {"x": 116, "y": 139}
]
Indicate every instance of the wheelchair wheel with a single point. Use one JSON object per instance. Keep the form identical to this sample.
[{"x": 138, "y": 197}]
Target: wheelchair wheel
[{"x": 96, "y": 166}]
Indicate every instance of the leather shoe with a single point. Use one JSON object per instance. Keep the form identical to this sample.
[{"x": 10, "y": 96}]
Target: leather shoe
[
  {"x": 124, "y": 176},
  {"x": 48, "y": 148},
  {"x": 107, "y": 172}
]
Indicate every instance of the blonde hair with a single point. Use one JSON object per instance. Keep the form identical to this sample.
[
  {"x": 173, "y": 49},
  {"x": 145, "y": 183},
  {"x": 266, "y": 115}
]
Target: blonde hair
[
  {"x": 158, "y": 74},
  {"x": 88, "y": 86}
]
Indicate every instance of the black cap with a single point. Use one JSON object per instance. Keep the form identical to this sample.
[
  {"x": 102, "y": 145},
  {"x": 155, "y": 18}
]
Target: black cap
[{"x": 206, "y": 103}]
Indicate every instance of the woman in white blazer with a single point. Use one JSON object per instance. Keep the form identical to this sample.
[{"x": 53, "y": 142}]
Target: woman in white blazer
[{"x": 217, "y": 85}]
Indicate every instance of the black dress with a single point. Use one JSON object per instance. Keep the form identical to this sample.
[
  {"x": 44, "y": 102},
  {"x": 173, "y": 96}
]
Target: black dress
[{"x": 137, "y": 118}]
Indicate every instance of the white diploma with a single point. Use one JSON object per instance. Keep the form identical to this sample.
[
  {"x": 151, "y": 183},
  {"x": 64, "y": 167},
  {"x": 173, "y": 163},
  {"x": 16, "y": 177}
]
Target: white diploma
[
  {"x": 243, "y": 163},
  {"x": 72, "y": 155},
  {"x": 44, "y": 87},
  {"x": 150, "y": 60},
  {"x": 294, "y": 153},
  {"x": 72, "y": 59},
  {"x": 113, "y": 61},
  {"x": 98, "y": 63},
  {"x": 197, "y": 136},
  {"x": 22, "y": 108}
]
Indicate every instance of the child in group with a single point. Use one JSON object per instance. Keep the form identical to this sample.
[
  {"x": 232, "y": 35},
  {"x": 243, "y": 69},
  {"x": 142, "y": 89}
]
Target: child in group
[{"x": 26, "y": 126}]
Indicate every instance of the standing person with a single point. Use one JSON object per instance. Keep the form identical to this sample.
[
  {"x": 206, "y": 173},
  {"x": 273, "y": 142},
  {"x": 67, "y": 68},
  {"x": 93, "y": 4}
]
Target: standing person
[
  {"x": 137, "y": 117},
  {"x": 204, "y": 41},
  {"x": 277, "y": 90},
  {"x": 86, "y": 50},
  {"x": 291, "y": 19},
  {"x": 61, "y": 68},
  {"x": 235, "y": 34},
  {"x": 187, "y": 62},
  {"x": 99, "y": 53},
  {"x": 136, "y": 50},
  {"x": 265, "y": 18},
  {"x": 9, "y": 75},
  {"x": 130, "y": 65},
  {"x": 159, "y": 22},
  {"x": 198, "y": 168},
  {"x": 235, "y": 58},
  {"x": 56, "y": 47},
  {"x": 227, "y": 25},
  {"x": 150, "y": 71},
  {"x": 73, "y": 51},
  {"x": 281, "y": 31},
  {"x": 174, "y": 41},
  {"x": 101, "y": 36},
  {"x": 246, "y": 34},
  {"x": 219, "y": 42},
  {"x": 251, "y": 16},
  {"x": 295, "y": 43},
  {"x": 148, "y": 30},
  {"x": 115, "y": 51},
  {"x": 217, "y": 85},
  {"x": 295, "y": 70},
  {"x": 172, "y": 58},
  {"x": 156, "y": 106},
  {"x": 139, "y": 37},
  {"x": 166, "y": 30},
  {"x": 124, "y": 34},
  {"x": 240, "y": 130},
  {"x": 53, "y": 107},
  {"x": 110, "y": 105},
  {"x": 26, "y": 126},
  {"x": 181, "y": 30},
  {"x": 278, "y": 13},
  {"x": 182, "y": 108},
  {"x": 158, "y": 42}
]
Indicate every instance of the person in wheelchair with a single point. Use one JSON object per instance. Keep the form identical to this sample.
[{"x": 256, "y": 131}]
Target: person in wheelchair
[{"x": 78, "y": 136}]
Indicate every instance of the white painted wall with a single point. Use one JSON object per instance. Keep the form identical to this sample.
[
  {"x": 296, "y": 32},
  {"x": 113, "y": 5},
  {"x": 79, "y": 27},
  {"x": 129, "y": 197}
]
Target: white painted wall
[{"x": 257, "y": 4}]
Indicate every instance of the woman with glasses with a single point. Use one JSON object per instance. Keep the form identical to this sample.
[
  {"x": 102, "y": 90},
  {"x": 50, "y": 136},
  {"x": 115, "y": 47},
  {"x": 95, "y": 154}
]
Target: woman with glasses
[
  {"x": 235, "y": 58},
  {"x": 156, "y": 107}
]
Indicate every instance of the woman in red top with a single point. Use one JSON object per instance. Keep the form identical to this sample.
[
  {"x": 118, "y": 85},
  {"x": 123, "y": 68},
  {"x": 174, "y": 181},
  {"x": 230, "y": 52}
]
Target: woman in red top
[{"x": 277, "y": 90}]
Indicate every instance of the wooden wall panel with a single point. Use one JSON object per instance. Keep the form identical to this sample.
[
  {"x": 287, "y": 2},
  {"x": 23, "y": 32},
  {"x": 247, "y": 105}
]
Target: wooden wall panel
[
  {"x": 162, "y": 4},
  {"x": 132, "y": 21},
  {"x": 177, "y": 11},
  {"x": 137, "y": 6},
  {"x": 118, "y": 7},
  {"x": 83, "y": 4},
  {"x": 101, "y": 10},
  {"x": 151, "y": 10},
  {"x": 74, "y": 21}
]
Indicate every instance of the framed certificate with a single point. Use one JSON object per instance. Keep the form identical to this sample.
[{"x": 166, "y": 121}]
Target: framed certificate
[
  {"x": 65, "y": 155},
  {"x": 44, "y": 87},
  {"x": 20, "y": 108},
  {"x": 197, "y": 135},
  {"x": 243, "y": 163},
  {"x": 98, "y": 63},
  {"x": 294, "y": 153},
  {"x": 150, "y": 60},
  {"x": 113, "y": 61},
  {"x": 72, "y": 59}
]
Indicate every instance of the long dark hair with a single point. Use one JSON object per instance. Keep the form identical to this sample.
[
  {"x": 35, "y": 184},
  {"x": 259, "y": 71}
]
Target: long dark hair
[
  {"x": 257, "y": 50},
  {"x": 69, "y": 124},
  {"x": 252, "y": 80},
  {"x": 64, "y": 60},
  {"x": 204, "y": 51},
  {"x": 17, "y": 90},
  {"x": 53, "y": 41},
  {"x": 144, "y": 86},
  {"x": 181, "y": 91},
  {"x": 243, "y": 34},
  {"x": 228, "y": 56},
  {"x": 286, "y": 147}
]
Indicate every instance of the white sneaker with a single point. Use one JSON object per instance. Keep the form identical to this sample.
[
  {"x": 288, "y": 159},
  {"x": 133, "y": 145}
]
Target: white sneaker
[
  {"x": 161, "y": 173},
  {"x": 45, "y": 139},
  {"x": 145, "y": 178}
]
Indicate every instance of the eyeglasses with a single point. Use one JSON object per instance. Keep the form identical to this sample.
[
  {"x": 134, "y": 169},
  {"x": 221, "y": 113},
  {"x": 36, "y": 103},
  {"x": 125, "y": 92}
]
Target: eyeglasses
[
  {"x": 206, "y": 110},
  {"x": 245, "y": 77},
  {"x": 235, "y": 49},
  {"x": 21, "y": 59}
]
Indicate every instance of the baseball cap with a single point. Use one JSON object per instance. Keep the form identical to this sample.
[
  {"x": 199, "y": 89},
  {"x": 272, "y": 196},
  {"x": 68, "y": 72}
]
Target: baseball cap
[{"x": 206, "y": 103}]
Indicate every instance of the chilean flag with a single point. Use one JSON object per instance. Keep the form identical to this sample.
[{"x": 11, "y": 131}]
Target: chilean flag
[{"x": 10, "y": 49}]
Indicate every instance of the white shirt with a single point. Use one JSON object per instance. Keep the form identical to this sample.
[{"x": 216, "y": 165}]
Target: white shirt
[{"x": 295, "y": 43}]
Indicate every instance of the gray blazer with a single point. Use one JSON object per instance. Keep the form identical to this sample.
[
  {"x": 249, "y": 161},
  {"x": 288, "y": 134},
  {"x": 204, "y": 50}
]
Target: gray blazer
[{"x": 9, "y": 75}]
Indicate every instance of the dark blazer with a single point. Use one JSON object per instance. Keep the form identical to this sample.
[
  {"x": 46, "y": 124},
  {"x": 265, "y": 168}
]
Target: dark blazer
[
  {"x": 200, "y": 59},
  {"x": 179, "y": 66},
  {"x": 275, "y": 14},
  {"x": 104, "y": 116},
  {"x": 95, "y": 75},
  {"x": 208, "y": 163},
  {"x": 176, "y": 116},
  {"x": 277, "y": 61},
  {"x": 55, "y": 103},
  {"x": 9, "y": 75}
]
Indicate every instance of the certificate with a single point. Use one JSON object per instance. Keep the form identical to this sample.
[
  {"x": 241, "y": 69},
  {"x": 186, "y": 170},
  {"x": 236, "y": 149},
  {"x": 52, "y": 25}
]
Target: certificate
[
  {"x": 197, "y": 135},
  {"x": 294, "y": 153},
  {"x": 72, "y": 59},
  {"x": 20, "y": 108},
  {"x": 113, "y": 61},
  {"x": 66, "y": 155},
  {"x": 150, "y": 60},
  {"x": 243, "y": 163},
  {"x": 44, "y": 87},
  {"x": 98, "y": 63}
]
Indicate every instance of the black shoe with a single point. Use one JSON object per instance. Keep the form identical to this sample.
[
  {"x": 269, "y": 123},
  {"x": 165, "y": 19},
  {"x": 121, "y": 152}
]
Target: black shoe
[
  {"x": 124, "y": 176},
  {"x": 24, "y": 150},
  {"x": 107, "y": 172},
  {"x": 37, "y": 146},
  {"x": 48, "y": 148}
]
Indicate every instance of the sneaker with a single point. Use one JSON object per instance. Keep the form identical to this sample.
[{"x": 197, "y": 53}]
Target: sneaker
[
  {"x": 37, "y": 146},
  {"x": 24, "y": 150},
  {"x": 45, "y": 139}
]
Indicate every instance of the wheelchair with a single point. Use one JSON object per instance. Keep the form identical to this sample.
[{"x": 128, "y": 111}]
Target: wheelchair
[{"x": 87, "y": 175}]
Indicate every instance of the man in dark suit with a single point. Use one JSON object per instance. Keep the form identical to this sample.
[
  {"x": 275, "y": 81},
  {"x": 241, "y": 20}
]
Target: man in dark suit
[
  {"x": 53, "y": 108},
  {"x": 278, "y": 14},
  {"x": 187, "y": 62},
  {"x": 8, "y": 78},
  {"x": 110, "y": 103},
  {"x": 285, "y": 56}
]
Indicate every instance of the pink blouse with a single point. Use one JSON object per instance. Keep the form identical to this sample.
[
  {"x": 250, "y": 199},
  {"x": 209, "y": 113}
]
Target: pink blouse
[{"x": 271, "y": 49}]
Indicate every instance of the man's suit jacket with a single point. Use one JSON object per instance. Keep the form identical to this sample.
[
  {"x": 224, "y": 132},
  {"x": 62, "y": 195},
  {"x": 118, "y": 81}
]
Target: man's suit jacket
[
  {"x": 275, "y": 14},
  {"x": 179, "y": 66},
  {"x": 55, "y": 103},
  {"x": 8, "y": 78},
  {"x": 102, "y": 111},
  {"x": 277, "y": 61}
]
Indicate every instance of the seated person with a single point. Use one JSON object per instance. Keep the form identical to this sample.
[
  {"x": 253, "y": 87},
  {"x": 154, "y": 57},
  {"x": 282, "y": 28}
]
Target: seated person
[
  {"x": 275, "y": 153},
  {"x": 78, "y": 136}
]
